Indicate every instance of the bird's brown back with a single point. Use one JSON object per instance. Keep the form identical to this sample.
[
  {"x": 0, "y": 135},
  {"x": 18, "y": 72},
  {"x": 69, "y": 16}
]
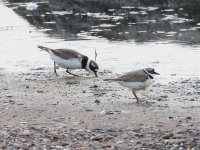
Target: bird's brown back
[
  {"x": 67, "y": 53},
  {"x": 133, "y": 76}
]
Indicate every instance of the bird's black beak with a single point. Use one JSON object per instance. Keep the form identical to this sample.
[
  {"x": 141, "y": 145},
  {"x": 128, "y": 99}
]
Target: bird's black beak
[
  {"x": 95, "y": 73},
  {"x": 156, "y": 73}
]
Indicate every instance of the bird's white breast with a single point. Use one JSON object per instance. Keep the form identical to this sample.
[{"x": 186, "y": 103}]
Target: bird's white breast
[
  {"x": 136, "y": 85},
  {"x": 72, "y": 63}
]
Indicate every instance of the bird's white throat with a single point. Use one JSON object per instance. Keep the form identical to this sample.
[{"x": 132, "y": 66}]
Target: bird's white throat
[{"x": 88, "y": 66}]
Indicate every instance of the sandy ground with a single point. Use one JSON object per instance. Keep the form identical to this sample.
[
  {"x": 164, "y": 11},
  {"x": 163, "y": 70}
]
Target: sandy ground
[
  {"x": 85, "y": 103},
  {"x": 89, "y": 102}
]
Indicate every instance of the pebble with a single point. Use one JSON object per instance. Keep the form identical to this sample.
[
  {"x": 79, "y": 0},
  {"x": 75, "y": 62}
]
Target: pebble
[
  {"x": 88, "y": 109},
  {"x": 97, "y": 101},
  {"x": 72, "y": 82},
  {"x": 60, "y": 137},
  {"x": 40, "y": 91},
  {"x": 97, "y": 138},
  {"x": 9, "y": 96},
  {"x": 189, "y": 118},
  {"x": 94, "y": 86}
]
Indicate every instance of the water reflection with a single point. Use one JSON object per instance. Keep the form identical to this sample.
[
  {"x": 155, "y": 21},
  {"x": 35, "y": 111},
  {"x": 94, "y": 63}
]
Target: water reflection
[{"x": 139, "y": 20}]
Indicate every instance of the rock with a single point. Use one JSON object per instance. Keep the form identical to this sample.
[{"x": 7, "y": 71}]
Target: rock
[
  {"x": 9, "y": 96},
  {"x": 94, "y": 86},
  {"x": 39, "y": 68},
  {"x": 106, "y": 146},
  {"x": 97, "y": 138},
  {"x": 189, "y": 118},
  {"x": 120, "y": 142},
  {"x": 11, "y": 102},
  {"x": 40, "y": 91},
  {"x": 4, "y": 104},
  {"x": 72, "y": 82},
  {"x": 55, "y": 103},
  {"x": 164, "y": 96},
  {"x": 88, "y": 109},
  {"x": 20, "y": 103},
  {"x": 97, "y": 101},
  {"x": 60, "y": 119},
  {"x": 185, "y": 81},
  {"x": 136, "y": 129},
  {"x": 168, "y": 136},
  {"x": 108, "y": 138}
]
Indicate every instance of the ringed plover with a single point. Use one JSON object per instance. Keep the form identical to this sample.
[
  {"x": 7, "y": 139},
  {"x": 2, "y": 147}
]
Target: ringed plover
[
  {"x": 136, "y": 80},
  {"x": 71, "y": 59}
]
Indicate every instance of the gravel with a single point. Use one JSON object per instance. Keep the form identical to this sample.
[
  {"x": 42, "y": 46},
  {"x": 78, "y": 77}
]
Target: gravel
[{"x": 60, "y": 137}]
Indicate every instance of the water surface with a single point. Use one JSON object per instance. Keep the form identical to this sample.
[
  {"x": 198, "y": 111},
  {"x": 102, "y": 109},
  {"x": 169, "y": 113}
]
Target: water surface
[{"x": 19, "y": 53}]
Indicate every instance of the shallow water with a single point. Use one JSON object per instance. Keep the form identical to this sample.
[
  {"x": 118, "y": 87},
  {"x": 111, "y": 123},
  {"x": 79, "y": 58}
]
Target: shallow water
[{"x": 19, "y": 52}]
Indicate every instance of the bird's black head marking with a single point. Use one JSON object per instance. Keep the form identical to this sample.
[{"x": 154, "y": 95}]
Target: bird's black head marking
[
  {"x": 94, "y": 67},
  {"x": 151, "y": 71},
  {"x": 84, "y": 62}
]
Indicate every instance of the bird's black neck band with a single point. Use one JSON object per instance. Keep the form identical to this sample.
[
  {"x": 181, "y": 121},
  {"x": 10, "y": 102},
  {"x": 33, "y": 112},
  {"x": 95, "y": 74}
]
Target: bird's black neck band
[
  {"x": 84, "y": 62},
  {"x": 148, "y": 74}
]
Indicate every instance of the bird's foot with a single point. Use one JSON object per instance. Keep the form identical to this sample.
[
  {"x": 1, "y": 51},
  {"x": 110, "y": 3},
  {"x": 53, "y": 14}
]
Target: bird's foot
[{"x": 72, "y": 73}]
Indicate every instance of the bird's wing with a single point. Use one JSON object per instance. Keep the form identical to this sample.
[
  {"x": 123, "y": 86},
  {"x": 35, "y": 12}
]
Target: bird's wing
[
  {"x": 133, "y": 76},
  {"x": 67, "y": 53}
]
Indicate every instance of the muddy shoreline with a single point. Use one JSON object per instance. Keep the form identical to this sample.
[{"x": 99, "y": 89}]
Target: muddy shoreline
[{"x": 83, "y": 104}]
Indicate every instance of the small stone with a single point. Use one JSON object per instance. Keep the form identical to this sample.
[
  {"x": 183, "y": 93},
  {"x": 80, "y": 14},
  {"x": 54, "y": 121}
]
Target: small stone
[
  {"x": 120, "y": 142},
  {"x": 39, "y": 68},
  {"x": 97, "y": 101},
  {"x": 189, "y": 118},
  {"x": 88, "y": 109},
  {"x": 4, "y": 104},
  {"x": 108, "y": 138},
  {"x": 170, "y": 117},
  {"x": 40, "y": 91},
  {"x": 55, "y": 103},
  {"x": 136, "y": 129},
  {"x": 72, "y": 82},
  {"x": 109, "y": 112},
  {"x": 11, "y": 102},
  {"x": 94, "y": 86},
  {"x": 20, "y": 104},
  {"x": 168, "y": 136},
  {"x": 9, "y": 96},
  {"x": 97, "y": 138}
]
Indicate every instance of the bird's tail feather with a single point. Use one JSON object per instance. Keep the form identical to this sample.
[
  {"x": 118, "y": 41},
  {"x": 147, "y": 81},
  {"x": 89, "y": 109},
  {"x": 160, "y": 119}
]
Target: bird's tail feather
[{"x": 44, "y": 48}]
